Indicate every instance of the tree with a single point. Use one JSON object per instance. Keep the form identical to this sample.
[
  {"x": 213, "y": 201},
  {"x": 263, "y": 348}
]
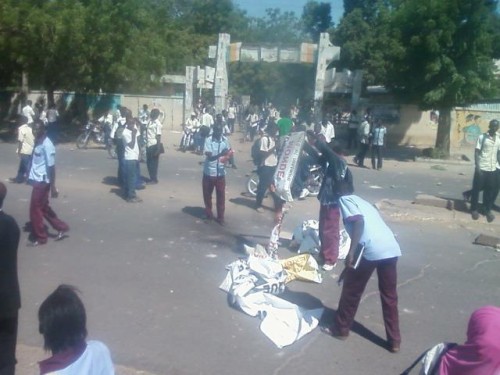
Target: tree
[
  {"x": 316, "y": 18},
  {"x": 443, "y": 56}
]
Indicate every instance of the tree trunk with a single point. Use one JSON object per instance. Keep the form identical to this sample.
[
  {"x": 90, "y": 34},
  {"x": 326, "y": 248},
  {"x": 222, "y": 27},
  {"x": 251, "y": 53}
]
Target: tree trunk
[{"x": 443, "y": 133}]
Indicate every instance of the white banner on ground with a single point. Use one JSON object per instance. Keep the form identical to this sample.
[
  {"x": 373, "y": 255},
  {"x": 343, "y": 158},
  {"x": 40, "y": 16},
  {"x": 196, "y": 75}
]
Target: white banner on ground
[{"x": 287, "y": 165}]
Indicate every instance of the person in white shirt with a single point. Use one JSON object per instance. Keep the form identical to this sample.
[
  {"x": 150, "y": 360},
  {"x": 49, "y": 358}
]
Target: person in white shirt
[
  {"x": 153, "y": 145},
  {"x": 63, "y": 324},
  {"x": 52, "y": 117},
  {"x": 364, "y": 142},
  {"x": 328, "y": 130},
  {"x": 25, "y": 143},
  {"x": 231, "y": 117},
  {"x": 131, "y": 159},
  {"x": 28, "y": 112},
  {"x": 378, "y": 135}
]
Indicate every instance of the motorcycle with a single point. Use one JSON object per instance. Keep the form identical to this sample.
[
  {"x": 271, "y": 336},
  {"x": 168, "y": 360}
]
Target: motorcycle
[
  {"x": 187, "y": 140},
  {"x": 313, "y": 182},
  {"x": 98, "y": 133}
]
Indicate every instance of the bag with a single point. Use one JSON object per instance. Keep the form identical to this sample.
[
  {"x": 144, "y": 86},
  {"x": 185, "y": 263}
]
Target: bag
[
  {"x": 160, "y": 149},
  {"x": 430, "y": 359},
  {"x": 255, "y": 152},
  {"x": 119, "y": 132}
]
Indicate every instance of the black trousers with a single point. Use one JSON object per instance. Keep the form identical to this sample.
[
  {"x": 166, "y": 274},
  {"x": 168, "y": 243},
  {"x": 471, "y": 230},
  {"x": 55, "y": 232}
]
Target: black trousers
[
  {"x": 8, "y": 339},
  {"x": 488, "y": 182},
  {"x": 152, "y": 161},
  {"x": 363, "y": 149}
]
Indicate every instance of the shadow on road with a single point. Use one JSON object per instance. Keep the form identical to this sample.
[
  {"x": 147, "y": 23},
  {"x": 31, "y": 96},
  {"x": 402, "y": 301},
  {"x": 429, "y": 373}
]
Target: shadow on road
[
  {"x": 247, "y": 202},
  {"x": 197, "y": 212},
  {"x": 110, "y": 180},
  {"x": 360, "y": 329}
]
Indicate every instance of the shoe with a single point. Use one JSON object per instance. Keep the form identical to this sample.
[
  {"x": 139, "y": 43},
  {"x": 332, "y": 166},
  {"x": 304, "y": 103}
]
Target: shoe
[
  {"x": 33, "y": 244},
  {"x": 207, "y": 217},
  {"x": 394, "y": 348},
  {"x": 328, "y": 266},
  {"x": 60, "y": 236},
  {"x": 490, "y": 217},
  {"x": 221, "y": 222},
  {"x": 140, "y": 187},
  {"x": 304, "y": 193},
  {"x": 134, "y": 200},
  {"x": 259, "y": 210},
  {"x": 152, "y": 182},
  {"x": 331, "y": 331},
  {"x": 475, "y": 215}
]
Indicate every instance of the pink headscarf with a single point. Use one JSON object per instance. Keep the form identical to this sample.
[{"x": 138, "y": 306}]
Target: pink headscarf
[{"x": 480, "y": 355}]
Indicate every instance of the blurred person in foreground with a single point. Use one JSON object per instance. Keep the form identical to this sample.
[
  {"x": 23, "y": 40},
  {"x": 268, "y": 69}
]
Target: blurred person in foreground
[
  {"x": 63, "y": 324},
  {"x": 10, "y": 298}
]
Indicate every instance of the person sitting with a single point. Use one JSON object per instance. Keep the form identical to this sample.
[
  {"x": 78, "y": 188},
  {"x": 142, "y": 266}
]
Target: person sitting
[{"x": 62, "y": 322}]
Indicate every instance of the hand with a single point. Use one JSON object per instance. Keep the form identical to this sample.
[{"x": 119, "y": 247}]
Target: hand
[
  {"x": 349, "y": 260},
  {"x": 54, "y": 193}
]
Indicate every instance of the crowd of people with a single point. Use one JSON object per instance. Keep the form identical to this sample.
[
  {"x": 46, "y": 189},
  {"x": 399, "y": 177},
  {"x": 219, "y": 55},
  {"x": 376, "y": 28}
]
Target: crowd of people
[{"x": 62, "y": 315}]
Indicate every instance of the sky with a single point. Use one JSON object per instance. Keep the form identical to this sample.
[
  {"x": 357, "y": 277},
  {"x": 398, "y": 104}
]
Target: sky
[{"x": 257, "y": 8}]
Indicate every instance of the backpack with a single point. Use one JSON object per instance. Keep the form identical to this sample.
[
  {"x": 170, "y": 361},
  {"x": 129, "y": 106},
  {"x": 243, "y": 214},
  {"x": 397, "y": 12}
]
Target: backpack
[{"x": 255, "y": 152}]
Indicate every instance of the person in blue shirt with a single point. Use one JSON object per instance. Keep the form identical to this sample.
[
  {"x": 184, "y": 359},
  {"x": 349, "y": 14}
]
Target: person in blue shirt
[
  {"x": 378, "y": 134},
  {"x": 381, "y": 252},
  {"x": 217, "y": 152}
]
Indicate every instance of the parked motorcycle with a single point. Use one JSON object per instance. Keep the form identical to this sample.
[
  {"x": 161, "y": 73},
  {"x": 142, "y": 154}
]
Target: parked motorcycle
[
  {"x": 96, "y": 132},
  {"x": 312, "y": 184}
]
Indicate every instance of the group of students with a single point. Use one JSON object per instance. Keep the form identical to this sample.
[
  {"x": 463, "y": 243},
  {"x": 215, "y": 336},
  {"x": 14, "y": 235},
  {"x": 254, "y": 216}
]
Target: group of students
[
  {"x": 365, "y": 133},
  {"x": 127, "y": 132}
]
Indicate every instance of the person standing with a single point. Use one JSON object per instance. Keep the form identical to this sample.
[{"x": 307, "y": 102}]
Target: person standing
[
  {"x": 352, "y": 127},
  {"x": 153, "y": 144},
  {"x": 364, "y": 142},
  {"x": 378, "y": 135},
  {"x": 231, "y": 117},
  {"x": 42, "y": 177},
  {"x": 10, "y": 296},
  {"x": 285, "y": 126},
  {"x": 329, "y": 212},
  {"x": 130, "y": 158},
  {"x": 485, "y": 175},
  {"x": 28, "y": 112},
  {"x": 25, "y": 143},
  {"x": 328, "y": 130},
  {"x": 214, "y": 173},
  {"x": 381, "y": 252}
]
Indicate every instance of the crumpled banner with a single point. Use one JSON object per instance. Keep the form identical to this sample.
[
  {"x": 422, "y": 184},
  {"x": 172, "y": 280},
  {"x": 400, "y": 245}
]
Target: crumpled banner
[
  {"x": 306, "y": 239},
  {"x": 252, "y": 283},
  {"x": 302, "y": 267}
]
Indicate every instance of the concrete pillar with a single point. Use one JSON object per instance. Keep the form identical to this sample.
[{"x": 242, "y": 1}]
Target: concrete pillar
[
  {"x": 188, "y": 93},
  {"x": 221, "y": 80}
]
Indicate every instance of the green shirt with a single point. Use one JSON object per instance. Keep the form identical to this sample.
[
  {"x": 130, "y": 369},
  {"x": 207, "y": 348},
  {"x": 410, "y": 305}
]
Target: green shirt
[{"x": 285, "y": 126}]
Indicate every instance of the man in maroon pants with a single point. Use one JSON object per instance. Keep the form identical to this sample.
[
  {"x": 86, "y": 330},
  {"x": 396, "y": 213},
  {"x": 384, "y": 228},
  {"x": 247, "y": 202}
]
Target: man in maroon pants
[
  {"x": 216, "y": 150},
  {"x": 42, "y": 177},
  {"x": 381, "y": 251}
]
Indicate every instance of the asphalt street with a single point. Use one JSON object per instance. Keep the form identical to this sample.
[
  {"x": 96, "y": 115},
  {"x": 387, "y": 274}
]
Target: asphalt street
[{"x": 149, "y": 272}]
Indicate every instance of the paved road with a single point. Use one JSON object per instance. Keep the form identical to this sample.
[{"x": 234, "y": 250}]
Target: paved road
[{"x": 149, "y": 272}]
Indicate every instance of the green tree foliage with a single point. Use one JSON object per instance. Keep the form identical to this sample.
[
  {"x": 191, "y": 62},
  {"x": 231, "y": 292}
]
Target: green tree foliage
[
  {"x": 316, "y": 18},
  {"x": 443, "y": 56}
]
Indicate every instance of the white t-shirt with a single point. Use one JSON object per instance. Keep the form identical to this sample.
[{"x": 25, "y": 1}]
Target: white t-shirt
[
  {"x": 267, "y": 143},
  {"x": 207, "y": 119},
  {"x": 328, "y": 131},
  {"x": 95, "y": 360},
  {"x": 231, "y": 112},
  {"x": 488, "y": 153},
  {"x": 29, "y": 113},
  {"x": 26, "y": 138},
  {"x": 153, "y": 129},
  {"x": 130, "y": 153},
  {"x": 52, "y": 115},
  {"x": 44, "y": 156}
]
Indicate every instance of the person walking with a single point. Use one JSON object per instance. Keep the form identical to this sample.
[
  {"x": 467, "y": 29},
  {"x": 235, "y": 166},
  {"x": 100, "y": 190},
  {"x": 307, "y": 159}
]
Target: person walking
[
  {"x": 25, "y": 143},
  {"x": 216, "y": 151},
  {"x": 485, "y": 175},
  {"x": 42, "y": 177},
  {"x": 378, "y": 135},
  {"x": 367, "y": 230},
  {"x": 10, "y": 296},
  {"x": 153, "y": 144},
  {"x": 352, "y": 128}
]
